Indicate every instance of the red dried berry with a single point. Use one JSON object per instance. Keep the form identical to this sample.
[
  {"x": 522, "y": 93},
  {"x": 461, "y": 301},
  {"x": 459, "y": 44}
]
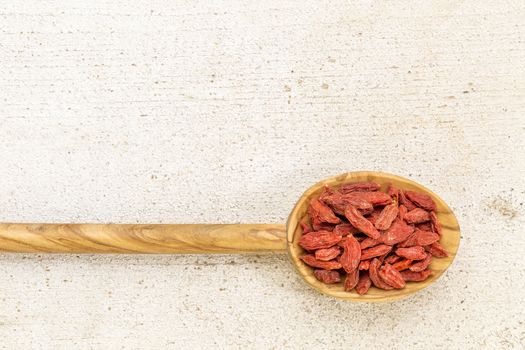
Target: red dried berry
[
  {"x": 327, "y": 254},
  {"x": 352, "y": 278},
  {"x": 327, "y": 276},
  {"x": 421, "y": 265},
  {"x": 388, "y": 214},
  {"x": 345, "y": 230},
  {"x": 409, "y": 242},
  {"x": 368, "y": 242},
  {"x": 425, "y": 226},
  {"x": 323, "y": 226},
  {"x": 375, "y": 198},
  {"x": 436, "y": 250},
  {"x": 392, "y": 259},
  {"x": 327, "y": 191},
  {"x": 405, "y": 201},
  {"x": 360, "y": 222},
  {"x": 366, "y": 212},
  {"x": 360, "y": 186},
  {"x": 378, "y": 250},
  {"x": 425, "y": 237},
  {"x": 310, "y": 259},
  {"x": 402, "y": 265},
  {"x": 319, "y": 213},
  {"x": 421, "y": 200},
  {"x": 338, "y": 202},
  {"x": 364, "y": 265},
  {"x": 393, "y": 191},
  {"x": 391, "y": 276},
  {"x": 402, "y": 212},
  {"x": 374, "y": 215},
  {"x": 351, "y": 254},
  {"x": 364, "y": 283},
  {"x": 417, "y": 216},
  {"x": 398, "y": 232},
  {"x": 412, "y": 253},
  {"x": 319, "y": 240},
  {"x": 435, "y": 224},
  {"x": 305, "y": 225},
  {"x": 411, "y": 276},
  {"x": 374, "y": 275}
]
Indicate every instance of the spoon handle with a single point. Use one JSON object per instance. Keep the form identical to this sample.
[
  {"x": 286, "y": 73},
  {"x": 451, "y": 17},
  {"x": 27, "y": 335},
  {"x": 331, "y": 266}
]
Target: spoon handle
[{"x": 142, "y": 239}]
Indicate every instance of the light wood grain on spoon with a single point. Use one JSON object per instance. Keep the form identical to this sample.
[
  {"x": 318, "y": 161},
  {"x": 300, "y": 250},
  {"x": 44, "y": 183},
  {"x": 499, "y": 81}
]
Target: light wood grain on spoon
[{"x": 115, "y": 238}]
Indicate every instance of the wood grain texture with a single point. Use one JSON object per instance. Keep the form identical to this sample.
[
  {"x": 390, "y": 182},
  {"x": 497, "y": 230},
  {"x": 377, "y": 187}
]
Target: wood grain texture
[
  {"x": 183, "y": 239},
  {"x": 449, "y": 240}
]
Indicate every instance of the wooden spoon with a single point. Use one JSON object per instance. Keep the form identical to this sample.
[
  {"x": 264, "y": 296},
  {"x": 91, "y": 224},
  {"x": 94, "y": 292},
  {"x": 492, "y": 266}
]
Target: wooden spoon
[{"x": 225, "y": 239}]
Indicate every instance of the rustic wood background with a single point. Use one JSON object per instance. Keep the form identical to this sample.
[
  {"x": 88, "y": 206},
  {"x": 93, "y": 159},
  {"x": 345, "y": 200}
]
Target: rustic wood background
[{"x": 224, "y": 111}]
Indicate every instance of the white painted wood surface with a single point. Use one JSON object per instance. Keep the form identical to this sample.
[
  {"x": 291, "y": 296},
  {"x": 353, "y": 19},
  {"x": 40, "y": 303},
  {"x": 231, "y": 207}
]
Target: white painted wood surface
[{"x": 225, "y": 111}]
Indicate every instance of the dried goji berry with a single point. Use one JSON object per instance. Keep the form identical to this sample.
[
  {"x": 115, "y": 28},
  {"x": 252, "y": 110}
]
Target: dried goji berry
[
  {"x": 417, "y": 216},
  {"x": 412, "y": 253},
  {"x": 378, "y": 250},
  {"x": 360, "y": 186},
  {"x": 425, "y": 237},
  {"x": 352, "y": 278},
  {"x": 364, "y": 265},
  {"x": 415, "y": 276},
  {"x": 327, "y": 276},
  {"x": 320, "y": 212},
  {"x": 425, "y": 226},
  {"x": 366, "y": 212},
  {"x": 383, "y": 257},
  {"x": 388, "y": 214},
  {"x": 351, "y": 254},
  {"x": 436, "y": 250},
  {"x": 391, "y": 276},
  {"x": 405, "y": 201},
  {"x": 374, "y": 215},
  {"x": 310, "y": 259},
  {"x": 319, "y": 240},
  {"x": 402, "y": 212},
  {"x": 421, "y": 265},
  {"x": 327, "y": 191},
  {"x": 322, "y": 226},
  {"x": 409, "y": 242},
  {"x": 368, "y": 242},
  {"x": 398, "y": 232},
  {"x": 392, "y": 259},
  {"x": 375, "y": 198},
  {"x": 374, "y": 275},
  {"x": 393, "y": 191},
  {"x": 435, "y": 224},
  {"x": 327, "y": 254},
  {"x": 421, "y": 200},
  {"x": 360, "y": 222},
  {"x": 364, "y": 283},
  {"x": 345, "y": 229},
  {"x": 402, "y": 265},
  {"x": 338, "y": 202},
  {"x": 305, "y": 225}
]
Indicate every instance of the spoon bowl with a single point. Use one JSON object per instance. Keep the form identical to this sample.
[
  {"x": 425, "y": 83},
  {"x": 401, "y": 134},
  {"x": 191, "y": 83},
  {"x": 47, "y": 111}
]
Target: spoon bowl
[{"x": 449, "y": 240}]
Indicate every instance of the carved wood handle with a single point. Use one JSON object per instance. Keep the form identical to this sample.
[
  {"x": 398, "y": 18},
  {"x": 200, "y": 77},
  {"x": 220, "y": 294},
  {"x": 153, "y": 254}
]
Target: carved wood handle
[{"x": 116, "y": 238}]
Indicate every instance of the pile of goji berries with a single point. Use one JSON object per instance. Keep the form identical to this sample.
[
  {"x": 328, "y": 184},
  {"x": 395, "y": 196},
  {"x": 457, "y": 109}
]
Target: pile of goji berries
[{"x": 375, "y": 238}]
